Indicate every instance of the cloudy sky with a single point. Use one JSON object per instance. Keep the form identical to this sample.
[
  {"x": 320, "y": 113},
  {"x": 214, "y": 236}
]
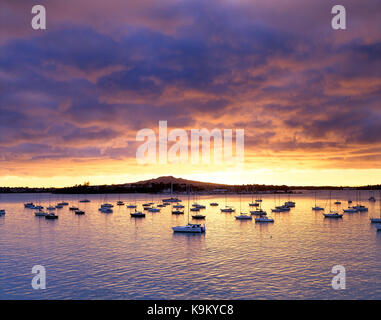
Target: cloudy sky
[{"x": 73, "y": 97}]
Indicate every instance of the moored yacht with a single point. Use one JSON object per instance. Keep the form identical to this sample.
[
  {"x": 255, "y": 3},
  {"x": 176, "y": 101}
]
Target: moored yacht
[
  {"x": 214, "y": 204},
  {"x": 333, "y": 215},
  {"x": 177, "y": 212},
  {"x": 79, "y": 212},
  {"x": 227, "y": 209},
  {"x": 137, "y": 214},
  {"x": 198, "y": 217},
  {"x": 153, "y": 210},
  {"x": 40, "y": 213},
  {"x": 244, "y": 216},
  {"x": 264, "y": 219},
  {"x": 258, "y": 212},
  {"x": 377, "y": 220},
  {"x": 51, "y": 216},
  {"x": 190, "y": 227},
  {"x": 84, "y": 200},
  {"x": 2, "y": 212}
]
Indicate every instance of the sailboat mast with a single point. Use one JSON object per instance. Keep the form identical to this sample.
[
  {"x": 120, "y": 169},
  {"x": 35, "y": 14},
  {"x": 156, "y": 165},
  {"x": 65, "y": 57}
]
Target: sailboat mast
[
  {"x": 330, "y": 197},
  {"x": 188, "y": 204}
]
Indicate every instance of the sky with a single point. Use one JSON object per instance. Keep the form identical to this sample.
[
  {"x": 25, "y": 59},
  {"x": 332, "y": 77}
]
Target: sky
[{"x": 74, "y": 96}]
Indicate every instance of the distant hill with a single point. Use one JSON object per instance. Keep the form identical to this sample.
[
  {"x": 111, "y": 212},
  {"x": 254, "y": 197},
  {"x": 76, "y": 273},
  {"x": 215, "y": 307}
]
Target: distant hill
[{"x": 173, "y": 180}]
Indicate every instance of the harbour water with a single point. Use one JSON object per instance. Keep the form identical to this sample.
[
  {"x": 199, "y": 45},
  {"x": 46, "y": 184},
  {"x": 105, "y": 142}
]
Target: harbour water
[{"x": 114, "y": 256}]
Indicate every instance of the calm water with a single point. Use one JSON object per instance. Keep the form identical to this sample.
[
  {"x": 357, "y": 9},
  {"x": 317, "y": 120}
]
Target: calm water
[{"x": 112, "y": 256}]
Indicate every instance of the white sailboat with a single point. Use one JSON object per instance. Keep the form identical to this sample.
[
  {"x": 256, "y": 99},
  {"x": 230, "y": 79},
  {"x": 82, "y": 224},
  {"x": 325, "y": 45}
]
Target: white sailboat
[
  {"x": 242, "y": 215},
  {"x": 331, "y": 214},
  {"x": 316, "y": 207},
  {"x": 227, "y": 208},
  {"x": 377, "y": 220},
  {"x": 190, "y": 227}
]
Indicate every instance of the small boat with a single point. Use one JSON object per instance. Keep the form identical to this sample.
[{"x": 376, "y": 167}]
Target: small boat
[
  {"x": 195, "y": 209},
  {"x": 177, "y": 212},
  {"x": 107, "y": 205},
  {"x": 171, "y": 200},
  {"x": 29, "y": 205},
  {"x": 2, "y": 212},
  {"x": 177, "y": 206},
  {"x": 79, "y": 212},
  {"x": 63, "y": 204},
  {"x": 290, "y": 204},
  {"x": 254, "y": 204},
  {"x": 316, "y": 207},
  {"x": 137, "y": 214},
  {"x": 350, "y": 210},
  {"x": 190, "y": 228},
  {"x": 258, "y": 200},
  {"x": 264, "y": 219},
  {"x": 377, "y": 220},
  {"x": 160, "y": 205},
  {"x": 228, "y": 209},
  {"x": 40, "y": 213},
  {"x": 73, "y": 208},
  {"x": 51, "y": 216},
  {"x": 244, "y": 216},
  {"x": 214, "y": 204},
  {"x": 148, "y": 204},
  {"x": 258, "y": 212},
  {"x": 147, "y": 208},
  {"x": 337, "y": 202},
  {"x": 105, "y": 210},
  {"x": 360, "y": 208},
  {"x": 154, "y": 210},
  {"x": 131, "y": 206},
  {"x": 283, "y": 208},
  {"x": 38, "y": 207},
  {"x": 50, "y": 208},
  {"x": 120, "y": 203},
  {"x": 84, "y": 200},
  {"x": 333, "y": 215},
  {"x": 350, "y": 201},
  {"x": 276, "y": 210},
  {"x": 372, "y": 199},
  {"x": 59, "y": 206},
  {"x": 198, "y": 216}
]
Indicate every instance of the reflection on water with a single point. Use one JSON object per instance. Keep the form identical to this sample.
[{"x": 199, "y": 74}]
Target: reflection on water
[{"x": 113, "y": 256}]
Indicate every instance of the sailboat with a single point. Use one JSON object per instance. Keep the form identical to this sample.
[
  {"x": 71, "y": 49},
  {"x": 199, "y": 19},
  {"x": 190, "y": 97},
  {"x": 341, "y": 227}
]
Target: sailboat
[
  {"x": 259, "y": 211},
  {"x": 252, "y": 203},
  {"x": 377, "y": 220},
  {"x": 190, "y": 227},
  {"x": 332, "y": 215},
  {"x": 171, "y": 199},
  {"x": 132, "y": 206},
  {"x": 2, "y": 211},
  {"x": 120, "y": 203},
  {"x": 227, "y": 208},
  {"x": 289, "y": 203},
  {"x": 316, "y": 207},
  {"x": 137, "y": 214},
  {"x": 242, "y": 215},
  {"x": 372, "y": 198}
]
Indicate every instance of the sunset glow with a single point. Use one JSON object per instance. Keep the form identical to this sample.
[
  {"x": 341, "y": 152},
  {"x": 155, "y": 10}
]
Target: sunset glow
[{"x": 73, "y": 97}]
